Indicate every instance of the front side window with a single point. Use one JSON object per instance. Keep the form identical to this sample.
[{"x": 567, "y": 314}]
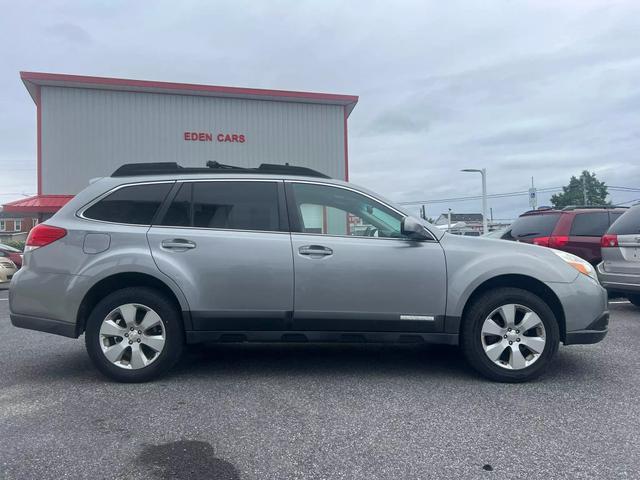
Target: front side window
[
  {"x": 229, "y": 205},
  {"x": 134, "y": 204},
  {"x": 328, "y": 210}
]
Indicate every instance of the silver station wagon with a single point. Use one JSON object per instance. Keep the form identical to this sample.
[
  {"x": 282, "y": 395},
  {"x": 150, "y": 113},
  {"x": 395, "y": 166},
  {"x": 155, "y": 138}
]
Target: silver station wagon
[{"x": 157, "y": 256}]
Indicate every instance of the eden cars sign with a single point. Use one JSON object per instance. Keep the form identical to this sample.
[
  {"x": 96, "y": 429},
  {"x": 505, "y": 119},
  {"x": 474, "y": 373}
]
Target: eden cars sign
[{"x": 208, "y": 137}]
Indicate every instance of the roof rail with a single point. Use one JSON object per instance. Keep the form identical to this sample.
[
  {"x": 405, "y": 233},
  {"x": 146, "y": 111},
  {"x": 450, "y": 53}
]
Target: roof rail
[
  {"x": 539, "y": 209},
  {"x": 172, "y": 168},
  {"x": 586, "y": 207}
]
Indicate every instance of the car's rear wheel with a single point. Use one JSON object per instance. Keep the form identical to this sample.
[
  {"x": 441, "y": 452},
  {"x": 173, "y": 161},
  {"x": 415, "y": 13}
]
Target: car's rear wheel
[
  {"x": 635, "y": 299},
  {"x": 510, "y": 335},
  {"x": 134, "y": 335}
]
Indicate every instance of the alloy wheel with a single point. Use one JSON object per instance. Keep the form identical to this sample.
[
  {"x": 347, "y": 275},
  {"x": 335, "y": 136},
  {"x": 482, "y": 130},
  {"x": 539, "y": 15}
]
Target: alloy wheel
[
  {"x": 513, "y": 336},
  {"x": 132, "y": 336}
]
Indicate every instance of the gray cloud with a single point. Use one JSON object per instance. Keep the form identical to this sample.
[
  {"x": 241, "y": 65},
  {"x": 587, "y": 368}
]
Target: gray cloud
[
  {"x": 70, "y": 32},
  {"x": 532, "y": 88}
]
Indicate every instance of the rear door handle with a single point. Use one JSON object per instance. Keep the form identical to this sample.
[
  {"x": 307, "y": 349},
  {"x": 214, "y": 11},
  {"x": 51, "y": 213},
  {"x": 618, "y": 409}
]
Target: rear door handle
[
  {"x": 178, "y": 244},
  {"x": 315, "y": 250}
]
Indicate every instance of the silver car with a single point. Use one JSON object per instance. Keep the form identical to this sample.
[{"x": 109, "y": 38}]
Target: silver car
[
  {"x": 157, "y": 256},
  {"x": 620, "y": 268}
]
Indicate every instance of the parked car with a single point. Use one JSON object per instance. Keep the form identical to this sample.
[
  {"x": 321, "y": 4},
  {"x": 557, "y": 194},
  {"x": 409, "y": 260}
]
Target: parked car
[
  {"x": 12, "y": 253},
  {"x": 619, "y": 271},
  {"x": 576, "y": 230},
  {"x": 499, "y": 233},
  {"x": 7, "y": 269},
  {"x": 158, "y": 255}
]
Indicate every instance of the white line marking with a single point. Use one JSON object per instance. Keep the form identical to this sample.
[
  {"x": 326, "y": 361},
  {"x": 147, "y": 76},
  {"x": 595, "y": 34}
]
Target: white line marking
[
  {"x": 4, "y": 299},
  {"x": 619, "y": 301}
]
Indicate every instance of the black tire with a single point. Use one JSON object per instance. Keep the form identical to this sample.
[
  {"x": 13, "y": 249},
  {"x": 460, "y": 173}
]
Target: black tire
[
  {"x": 471, "y": 341},
  {"x": 635, "y": 299},
  {"x": 171, "y": 321}
]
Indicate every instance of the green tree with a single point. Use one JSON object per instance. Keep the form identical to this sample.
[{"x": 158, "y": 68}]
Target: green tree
[{"x": 585, "y": 187}]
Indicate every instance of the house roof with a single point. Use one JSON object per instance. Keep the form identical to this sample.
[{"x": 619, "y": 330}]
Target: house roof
[
  {"x": 33, "y": 80},
  {"x": 37, "y": 204}
]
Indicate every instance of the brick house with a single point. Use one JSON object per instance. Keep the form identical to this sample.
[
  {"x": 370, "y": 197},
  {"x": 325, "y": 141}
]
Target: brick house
[{"x": 16, "y": 226}]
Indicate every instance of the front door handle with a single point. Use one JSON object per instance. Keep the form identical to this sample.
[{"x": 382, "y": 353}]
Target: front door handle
[
  {"x": 178, "y": 244},
  {"x": 315, "y": 250}
]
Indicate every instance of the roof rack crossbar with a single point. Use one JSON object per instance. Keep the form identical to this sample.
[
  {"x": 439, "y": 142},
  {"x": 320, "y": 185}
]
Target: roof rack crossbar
[{"x": 172, "y": 168}]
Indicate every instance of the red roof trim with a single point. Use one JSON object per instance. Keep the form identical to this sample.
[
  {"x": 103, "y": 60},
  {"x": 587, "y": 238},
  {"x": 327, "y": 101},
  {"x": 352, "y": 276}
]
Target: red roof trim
[
  {"x": 38, "y": 204},
  {"x": 40, "y": 78}
]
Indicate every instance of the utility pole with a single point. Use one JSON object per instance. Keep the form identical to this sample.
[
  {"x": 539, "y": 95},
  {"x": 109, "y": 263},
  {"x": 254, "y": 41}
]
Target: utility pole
[
  {"x": 584, "y": 190},
  {"x": 483, "y": 172},
  {"x": 533, "y": 196}
]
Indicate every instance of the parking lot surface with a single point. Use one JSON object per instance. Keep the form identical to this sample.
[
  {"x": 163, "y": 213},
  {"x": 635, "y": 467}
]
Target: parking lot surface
[{"x": 319, "y": 411}]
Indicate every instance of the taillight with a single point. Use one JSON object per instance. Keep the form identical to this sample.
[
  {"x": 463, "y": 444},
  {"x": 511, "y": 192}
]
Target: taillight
[
  {"x": 542, "y": 241},
  {"x": 43, "y": 234},
  {"x": 609, "y": 240},
  {"x": 556, "y": 241}
]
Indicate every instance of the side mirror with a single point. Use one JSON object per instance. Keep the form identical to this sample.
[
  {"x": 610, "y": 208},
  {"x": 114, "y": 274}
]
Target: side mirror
[{"x": 413, "y": 229}]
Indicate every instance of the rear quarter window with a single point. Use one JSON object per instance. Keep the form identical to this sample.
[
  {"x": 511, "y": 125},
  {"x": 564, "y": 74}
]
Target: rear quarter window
[
  {"x": 628, "y": 223},
  {"x": 591, "y": 224},
  {"x": 133, "y": 204},
  {"x": 531, "y": 226}
]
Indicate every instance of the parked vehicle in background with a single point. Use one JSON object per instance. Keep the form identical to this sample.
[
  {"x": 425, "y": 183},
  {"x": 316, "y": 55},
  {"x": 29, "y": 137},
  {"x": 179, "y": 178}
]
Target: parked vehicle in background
[
  {"x": 620, "y": 268},
  {"x": 159, "y": 255},
  {"x": 12, "y": 253},
  {"x": 497, "y": 234},
  {"x": 576, "y": 230},
  {"x": 7, "y": 269}
]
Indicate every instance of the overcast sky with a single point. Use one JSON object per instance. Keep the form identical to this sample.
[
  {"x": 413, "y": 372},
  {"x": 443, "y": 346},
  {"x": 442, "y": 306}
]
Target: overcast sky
[{"x": 540, "y": 88}]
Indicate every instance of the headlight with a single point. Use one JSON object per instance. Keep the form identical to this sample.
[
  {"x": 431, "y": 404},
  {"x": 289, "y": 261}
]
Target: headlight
[{"x": 578, "y": 263}]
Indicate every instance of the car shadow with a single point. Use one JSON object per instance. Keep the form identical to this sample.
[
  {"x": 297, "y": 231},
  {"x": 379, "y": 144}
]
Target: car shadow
[{"x": 431, "y": 362}]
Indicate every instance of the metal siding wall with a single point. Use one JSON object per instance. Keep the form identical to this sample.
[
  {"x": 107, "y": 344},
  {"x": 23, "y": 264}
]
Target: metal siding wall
[{"x": 88, "y": 133}]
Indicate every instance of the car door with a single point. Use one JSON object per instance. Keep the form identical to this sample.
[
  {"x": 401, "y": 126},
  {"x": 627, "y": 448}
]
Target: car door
[
  {"x": 354, "y": 271},
  {"x": 226, "y": 244}
]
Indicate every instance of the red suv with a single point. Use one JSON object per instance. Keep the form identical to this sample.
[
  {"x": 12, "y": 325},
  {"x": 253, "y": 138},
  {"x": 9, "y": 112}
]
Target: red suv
[
  {"x": 576, "y": 230},
  {"x": 12, "y": 254}
]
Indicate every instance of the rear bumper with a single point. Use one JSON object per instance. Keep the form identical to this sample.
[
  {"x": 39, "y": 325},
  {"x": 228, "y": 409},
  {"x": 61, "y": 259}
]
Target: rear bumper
[
  {"x": 594, "y": 333},
  {"x": 44, "y": 325},
  {"x": 620, "y": 282}
]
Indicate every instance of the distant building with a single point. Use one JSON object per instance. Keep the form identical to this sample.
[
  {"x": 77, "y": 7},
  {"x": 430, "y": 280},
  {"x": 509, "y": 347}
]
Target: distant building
[
  {"x": 470, "y": 219},
  {"x": 16, "y": 226}
]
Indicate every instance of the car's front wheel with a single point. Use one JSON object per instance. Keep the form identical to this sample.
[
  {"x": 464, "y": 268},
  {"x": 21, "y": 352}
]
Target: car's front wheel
[
  {"x": 134, "y": 335},
  {"x": 510, "y": 335}
]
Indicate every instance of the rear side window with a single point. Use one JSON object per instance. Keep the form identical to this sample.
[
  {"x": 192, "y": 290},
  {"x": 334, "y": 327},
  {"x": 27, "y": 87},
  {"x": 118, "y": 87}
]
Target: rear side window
[
  {"x": 531, "y": 226},
  {"x": 228, "y": 205},
  {"x": 627, "y": 224},
  {"x": 134, "y": 204},
  {"x": 592, "y": 224}
]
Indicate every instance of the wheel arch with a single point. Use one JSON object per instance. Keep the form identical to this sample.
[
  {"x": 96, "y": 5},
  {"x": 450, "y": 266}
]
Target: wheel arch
[
  {"x": 524, "y": 282},
  {"x": 119, "y": 281}
]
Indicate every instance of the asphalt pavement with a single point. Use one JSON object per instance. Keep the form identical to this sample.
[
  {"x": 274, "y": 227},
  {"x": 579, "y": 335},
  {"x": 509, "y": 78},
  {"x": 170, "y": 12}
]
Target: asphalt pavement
[{"x": 319, "y": 412}]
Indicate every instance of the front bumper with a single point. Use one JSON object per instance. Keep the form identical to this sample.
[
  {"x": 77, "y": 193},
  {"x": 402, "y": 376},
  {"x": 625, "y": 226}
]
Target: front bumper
[
  {"x": 619, "y": 282},
  {"x": 586, "y": 310},
  {"x": 592, "y": 334}
]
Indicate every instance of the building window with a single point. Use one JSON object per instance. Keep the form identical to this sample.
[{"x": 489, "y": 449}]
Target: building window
[
  {"x": 17, "y": 225},
  {"x": 1, "y": 225}
]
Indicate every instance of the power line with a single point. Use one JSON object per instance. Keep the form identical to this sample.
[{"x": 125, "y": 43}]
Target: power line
[{"x": 510, "y": 194}]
